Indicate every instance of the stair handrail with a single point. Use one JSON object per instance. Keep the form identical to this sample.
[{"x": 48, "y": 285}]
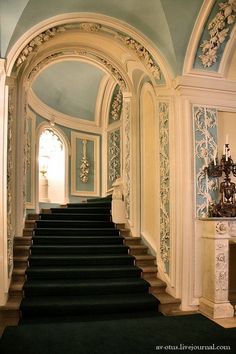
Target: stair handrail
[{"x": 118, "y": 210}]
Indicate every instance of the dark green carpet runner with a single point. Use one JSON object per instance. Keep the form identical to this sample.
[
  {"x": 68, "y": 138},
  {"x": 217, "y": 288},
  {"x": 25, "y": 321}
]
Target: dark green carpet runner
[{"x": 79, "y": 266}]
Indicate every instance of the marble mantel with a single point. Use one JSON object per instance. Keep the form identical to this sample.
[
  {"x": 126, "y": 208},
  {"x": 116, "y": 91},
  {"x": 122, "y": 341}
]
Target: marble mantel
[{"x": 216, "y": 234}]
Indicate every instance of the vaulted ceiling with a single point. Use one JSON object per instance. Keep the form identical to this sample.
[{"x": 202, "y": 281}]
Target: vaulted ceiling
[{"x": 166, "y": 23}]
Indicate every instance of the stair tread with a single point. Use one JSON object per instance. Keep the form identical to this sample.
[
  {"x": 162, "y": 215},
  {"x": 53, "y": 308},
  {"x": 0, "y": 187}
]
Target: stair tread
[
  {"x": 88, "y": 299},
  {"x": 70, "y": 268},
  {"x": 83, "y": 282}
]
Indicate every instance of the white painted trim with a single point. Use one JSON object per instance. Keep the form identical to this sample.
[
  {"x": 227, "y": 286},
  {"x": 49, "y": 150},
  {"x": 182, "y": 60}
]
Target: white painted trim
[
  {"x": 228, "y": 53},
  {"x": 4, "y": 283},
  {"x": 195, "y": 37},
  {"x": 96, "y": 141}
]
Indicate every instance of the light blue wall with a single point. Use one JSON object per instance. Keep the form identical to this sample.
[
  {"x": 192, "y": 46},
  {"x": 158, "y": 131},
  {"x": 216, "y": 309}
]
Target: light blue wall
[
  {"x": 70, "y": 87},
  {"x": 167, "y": 23},
  {"x": 67, "y": 133}
]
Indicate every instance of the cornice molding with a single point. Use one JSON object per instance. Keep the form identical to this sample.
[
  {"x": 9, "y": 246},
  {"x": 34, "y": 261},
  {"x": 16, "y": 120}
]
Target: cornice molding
[{"x": 59, "y": 118}]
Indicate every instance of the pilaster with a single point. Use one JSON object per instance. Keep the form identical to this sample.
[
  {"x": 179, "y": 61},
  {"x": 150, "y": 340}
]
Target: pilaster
[{"x": 3, "y": 185}]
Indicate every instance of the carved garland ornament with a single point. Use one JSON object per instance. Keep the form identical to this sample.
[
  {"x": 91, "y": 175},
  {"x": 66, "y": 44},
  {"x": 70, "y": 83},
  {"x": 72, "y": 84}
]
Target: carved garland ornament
[
  {"x": 37, "y": 42},
  {"x": 221, "y": 263},
  {"x": 116, "y": 104},
  {"x": 143, "y": 54},
  {"x": 84, "y": 167},
  {"x": 114, "y": 155},
  {"x": 11, "y": 108},
  {"x": 164, "y": 185},
  {"x": 127, "y": 168},
  {"x": 218, "y": 31}
]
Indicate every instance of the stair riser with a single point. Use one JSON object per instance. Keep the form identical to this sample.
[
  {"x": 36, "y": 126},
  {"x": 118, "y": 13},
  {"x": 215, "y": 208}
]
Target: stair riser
[
  {"x": 20, "y": 264},
  {"x": 21, "y": 252},
  {"x": 23, "y": 242},
  {"x": 85, "y": 262},
  {"x": 78, "y": 241},
  {"x": 144, "y": 263},
  {"x": 73, "y": 224},
  {"x": 18, "y": 278},
  {"x": 149, "y": 275},
  {"x": 131, "y": 242},
  {"x": 84, "y": 291},
  {"x": 82, "y": 275},
  {"x": 28, "y": 232},
  {"x": 60, "y": 216},
  {"x": 138, "y": 251},
  {"x": 76, "y": 232},
  {"x": 44, "y": 250},
  {"x": 82, "y": 310},
  {"x": 79, "y": 211}
]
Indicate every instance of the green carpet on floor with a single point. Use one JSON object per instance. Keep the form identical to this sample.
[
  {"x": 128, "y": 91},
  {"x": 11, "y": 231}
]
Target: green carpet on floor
[{"x": 188, "y": 334}]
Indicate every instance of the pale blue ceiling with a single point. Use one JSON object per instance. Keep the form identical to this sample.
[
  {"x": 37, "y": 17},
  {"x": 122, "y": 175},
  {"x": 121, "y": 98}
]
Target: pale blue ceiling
[
  {"x": 70, "y": 87},
  {"x": 167, "y": 23}
]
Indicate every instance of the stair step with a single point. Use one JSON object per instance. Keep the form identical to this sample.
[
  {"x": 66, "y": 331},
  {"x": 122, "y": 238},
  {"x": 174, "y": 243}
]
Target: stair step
[
  {"x": 42, "y": 272},
  {"x": 22, "y": 240},
  {"x": 70, "y": 216},
  {"x": 89, "y": 305},
  {"x": 28, "y": 231},
  {"x": 76, "y": 231},
  {"x": 85, "y": 287},
  {"x": 77, "y": 240},
  {"x": 129, "y": 240},
  {"x": 81, "y": 260},
  {"x": 73, "y": 224},
  {"x": 149, "y": 272},
  {"x": 157, "y": 286},
  {"x": 75, "y": 249},
  {"x": 145, "y": 260},
  {"x": 168, "y": 304},
  {"x": 21, "y": 250},
  {"x": 138, "y": 249},
  {"x": 82, "y": 210},
  {"x": 32, "y": 217}
]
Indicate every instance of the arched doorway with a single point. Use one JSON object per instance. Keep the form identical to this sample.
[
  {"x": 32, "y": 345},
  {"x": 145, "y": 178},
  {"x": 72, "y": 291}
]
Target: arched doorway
[{"x": 51, "y": 162}]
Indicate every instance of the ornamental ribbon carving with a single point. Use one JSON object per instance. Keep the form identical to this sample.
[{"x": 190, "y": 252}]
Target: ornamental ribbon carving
[
  {"x": 205, "y": 130},
  {"x": 218, "y": 30},
  {"x": 164, "y": 185},
  {"x": 84, "y": 167},
  {"x": 114, "y": 156}
]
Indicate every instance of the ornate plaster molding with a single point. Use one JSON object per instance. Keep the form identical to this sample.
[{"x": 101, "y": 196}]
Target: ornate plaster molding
[
  {"x": 218, "y": 28},
  {"x": 205, "y": 125},
  {"x": 127, "y": 156},
  {"x": 142, "y": 53},
  {"x": 84, "y": 167},
  {"x": 37, "y": 42},
  {"x": 116, "y": 104},
  {"x": 164, "y": 185},
  {"x": 134, "y": 45},
  {"x": 114, "y": 165}
]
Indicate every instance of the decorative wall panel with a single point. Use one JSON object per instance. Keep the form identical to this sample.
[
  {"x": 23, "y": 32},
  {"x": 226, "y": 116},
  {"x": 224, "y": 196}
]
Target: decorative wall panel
[
  {"x": 30, "y": 167},
  {"x": 127, "y": 157},
  {"x": 114, "y": 156},
  {"x": 205, "y": 133},
  {"x": 10, "y": 178},
  {"x": 85, "y": 164},
  {"x": 164, "y": 185}
]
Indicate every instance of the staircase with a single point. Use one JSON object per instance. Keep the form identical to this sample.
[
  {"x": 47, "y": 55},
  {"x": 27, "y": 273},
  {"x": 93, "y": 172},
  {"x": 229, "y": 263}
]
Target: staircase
[
  {"x": 130, "y": 270},
  {"x": 79, "y": 266}
]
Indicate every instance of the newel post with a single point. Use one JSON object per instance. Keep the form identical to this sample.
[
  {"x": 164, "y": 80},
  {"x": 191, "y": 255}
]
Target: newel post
[{"x": 118, "y": 204}]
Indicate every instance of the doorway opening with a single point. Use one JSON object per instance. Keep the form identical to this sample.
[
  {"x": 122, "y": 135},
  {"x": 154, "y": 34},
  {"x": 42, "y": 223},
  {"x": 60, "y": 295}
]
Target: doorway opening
[{"x": 51, "y": 168}]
